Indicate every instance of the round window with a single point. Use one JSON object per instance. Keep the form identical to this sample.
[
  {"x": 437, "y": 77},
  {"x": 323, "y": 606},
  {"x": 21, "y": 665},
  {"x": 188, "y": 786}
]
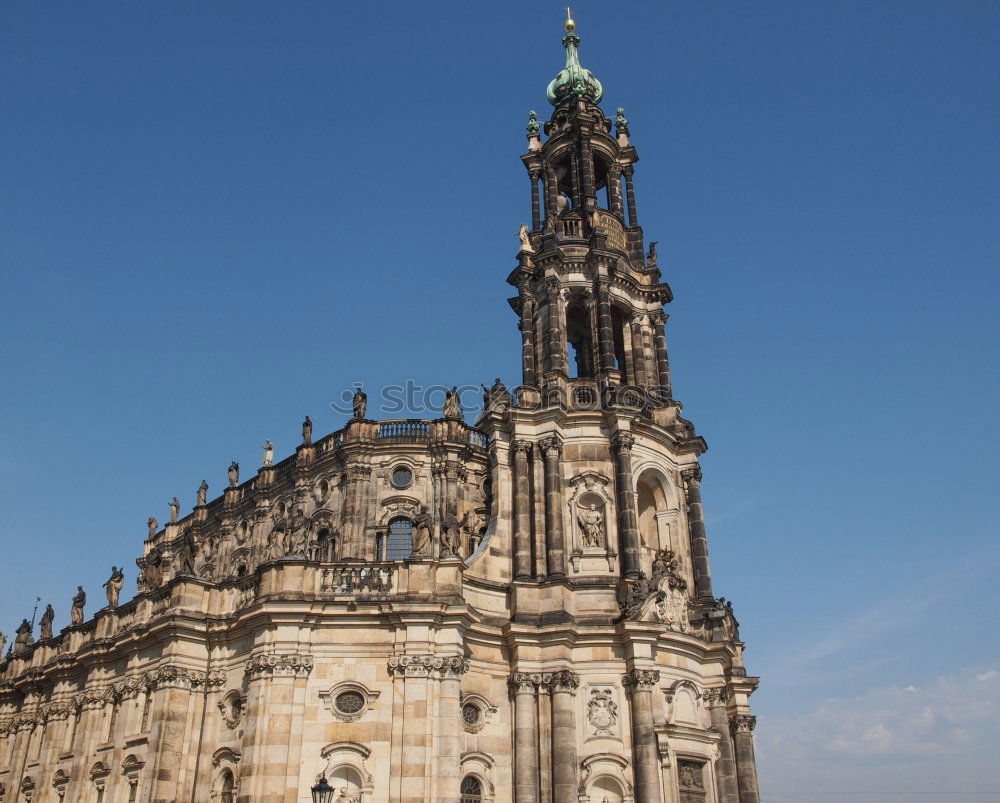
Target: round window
[
  {"x": 350, "y": 702},
  {"x": 471, "y": 714},
  {"x": 402, "y": 477}
]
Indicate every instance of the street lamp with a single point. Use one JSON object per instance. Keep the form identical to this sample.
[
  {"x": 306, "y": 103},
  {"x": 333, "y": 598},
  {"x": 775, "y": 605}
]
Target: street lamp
[{"x": 322, "y": 792}]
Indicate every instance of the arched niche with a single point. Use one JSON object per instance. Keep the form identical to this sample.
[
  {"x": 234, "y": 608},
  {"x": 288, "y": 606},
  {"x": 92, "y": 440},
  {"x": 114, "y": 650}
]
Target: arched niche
[
  {"x": 604, "y": 776},
  {"x": 592, "y": 516},
  {"x": 658, "y": 514},
  {"x": 346, "y": 771},
  {"x": 684, "y": 704}
]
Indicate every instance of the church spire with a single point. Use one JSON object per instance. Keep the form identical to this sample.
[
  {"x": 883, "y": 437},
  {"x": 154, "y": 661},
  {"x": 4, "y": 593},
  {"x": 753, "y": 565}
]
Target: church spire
[{"x": 573, "y": 79}]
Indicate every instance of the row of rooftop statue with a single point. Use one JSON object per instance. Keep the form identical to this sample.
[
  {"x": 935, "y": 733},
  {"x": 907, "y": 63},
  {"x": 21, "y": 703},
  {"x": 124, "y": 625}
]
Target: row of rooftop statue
[
  {"x": 290, "y": 535},
  {"x": 495, "y": 395},
  {"x": 23, "y": 635}
]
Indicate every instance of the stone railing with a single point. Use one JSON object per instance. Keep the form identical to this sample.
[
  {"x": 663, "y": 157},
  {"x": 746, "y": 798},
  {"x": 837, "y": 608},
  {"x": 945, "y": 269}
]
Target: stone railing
[
  {"x": 359, "y": 578},
  {"x": 405, "y": 430}
]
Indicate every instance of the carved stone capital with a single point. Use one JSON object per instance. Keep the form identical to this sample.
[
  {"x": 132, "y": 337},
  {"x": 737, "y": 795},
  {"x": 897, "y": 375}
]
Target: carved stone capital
[
  {"x": 176, "y": 677},
  {"x": 640, "y": 680},
  {"x": 562, "y": 681},
  {"x": 658, "y": 318},
  {"x": 426, "y": 666},
  {"x": 627, "y": 170},
  {"x": 279, "y": 665},
  {"x": 623, "y": 442},
  {"x": 521, "y": 447},
  {"x": 357, "y": 472},
  {"x": 551, "y": 446},
  {"x": 742, "y": 723},
  {"x": 691, "y": 476},
  {"x": 524, "y": 682},
  {"x": 717, "y": 695}
]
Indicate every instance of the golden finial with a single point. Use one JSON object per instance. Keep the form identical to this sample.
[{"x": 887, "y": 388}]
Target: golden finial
[{"x": 570, "y": 25}]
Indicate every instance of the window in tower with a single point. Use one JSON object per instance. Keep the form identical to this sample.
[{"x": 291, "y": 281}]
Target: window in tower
[
  {"x": 618, "y": 335},
  {"x": 399, "y": 541},
  {"x": 578, "y": 333}
]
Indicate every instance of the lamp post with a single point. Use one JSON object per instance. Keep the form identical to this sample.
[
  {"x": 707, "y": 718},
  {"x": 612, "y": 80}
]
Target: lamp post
[{"x": 322, "y": 792}]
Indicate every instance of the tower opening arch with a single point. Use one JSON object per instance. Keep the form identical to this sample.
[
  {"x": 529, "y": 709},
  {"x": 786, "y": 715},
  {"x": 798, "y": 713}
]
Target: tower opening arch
[{"x": 658, "y": 514}]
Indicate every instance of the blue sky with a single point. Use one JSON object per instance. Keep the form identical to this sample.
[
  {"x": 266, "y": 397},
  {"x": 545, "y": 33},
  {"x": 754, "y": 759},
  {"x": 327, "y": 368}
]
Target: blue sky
[{"x": 216, "y": 217}]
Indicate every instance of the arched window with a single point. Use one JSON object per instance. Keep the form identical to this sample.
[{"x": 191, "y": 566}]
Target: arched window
[
  {"x": 618, "y": 337},
  {"x": 399, "y": 542},
  {"x": 472, "y": 789},
  {"x": 227, "y": 790},
  {"x": 651, "y": 499},
  {"x": 578, "y": 334}
]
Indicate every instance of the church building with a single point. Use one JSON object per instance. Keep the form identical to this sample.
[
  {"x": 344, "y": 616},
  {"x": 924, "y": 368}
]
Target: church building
[{"x": 515, "y": 611}]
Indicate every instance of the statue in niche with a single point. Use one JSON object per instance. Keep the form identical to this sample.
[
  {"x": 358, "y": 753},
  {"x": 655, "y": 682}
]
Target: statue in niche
[
  {"x": 275, "y": 546},
  {"x": 592, "y": 526},
  {"x": 422, "y": 524},
  {"x": 45, "y": 623},
  {"x": 113, "y": 586},
  {"x": 76, "y": 611},
  {"x": 360, "y": 404},
  {"x": 152, "y": 525},
  {"x": 451, "y": 534},
  {"x": 22, "y": 637},
  {"x": 175, "y": 508},
  {"x": 185, "y": 555},
  {"x": 452, "y": 408},
  {"x": 268, "y": 458},
  {"x": 297, "y": 533},
  {"x": 526, "y": 246},
  {"x": 151, "y": 571},
  {"x": 209, "y": 546},
  {"x": 234, "y": 474},
  {"x": 307, "y": 431},
  {"x": 202, "y": 494}
]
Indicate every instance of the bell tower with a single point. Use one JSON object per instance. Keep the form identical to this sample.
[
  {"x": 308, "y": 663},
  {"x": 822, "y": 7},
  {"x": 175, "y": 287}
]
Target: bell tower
[
  {"x": 599, "y": 507},
  {"x": 590, "y": 294}
]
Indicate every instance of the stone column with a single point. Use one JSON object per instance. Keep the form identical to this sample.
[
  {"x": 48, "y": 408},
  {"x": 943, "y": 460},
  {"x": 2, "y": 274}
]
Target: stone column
[
  {"x": 699, "y": 541},
  {"x": 615, "y": 191},
  {"x": 269, "y": 736},
  {"x": 639, "y": 683},
  {"x": 628, "y": 528},
  {"x": 409, "y": 769},
  {"x": 742, "y": 726},
  {"x": 448, "y": 748},
  {"x": 355, "y": 509},
  {"x": 536, "y": 214},
  {"x": 633, "y": 217},
  {"x": 524, "y": 690},
  {"x": 725, "y": 767},
  {"x": 551, "y": 193},
  {"x": 562, "y": 689},
  {"x": 605, "y": 333},
  {"x": 528, "y": 376},
  {"x": 556, "y": 345},
  {"x": 659, "y": 319},
  {"x": 638, "y": 353},
  {"x": 555, "y": 551},
  {"x": 587, "y": 158},
  {"x": 521, "y": 491},
  {"x": 174, "y": 686}
]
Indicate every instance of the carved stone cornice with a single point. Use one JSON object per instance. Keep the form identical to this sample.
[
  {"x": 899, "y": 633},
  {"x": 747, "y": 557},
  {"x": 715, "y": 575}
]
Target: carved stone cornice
[
  {"x": 640, "y": 680},
  {"x": 717, "y": 695},
  {"x": 290, "y": 664},
  {"x": 742, "y": 723},
  {"x": 691, "y": 476},
  {"x": 564, "y": 680},
  {"x": 426, "y": 666},
  {"x": 622, "y": 442}
]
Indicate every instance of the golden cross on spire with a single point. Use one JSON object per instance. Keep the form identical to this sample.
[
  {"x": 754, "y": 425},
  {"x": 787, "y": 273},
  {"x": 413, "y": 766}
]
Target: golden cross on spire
[{"x": 570, "y": 24}]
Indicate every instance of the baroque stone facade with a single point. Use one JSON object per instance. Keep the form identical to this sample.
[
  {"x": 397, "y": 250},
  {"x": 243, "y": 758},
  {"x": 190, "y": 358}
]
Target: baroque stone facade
[{"x": 520, "y": 610}]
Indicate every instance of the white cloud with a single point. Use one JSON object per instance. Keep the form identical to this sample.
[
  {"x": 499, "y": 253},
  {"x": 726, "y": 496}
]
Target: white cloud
[{"x": 937, "y": 740}]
